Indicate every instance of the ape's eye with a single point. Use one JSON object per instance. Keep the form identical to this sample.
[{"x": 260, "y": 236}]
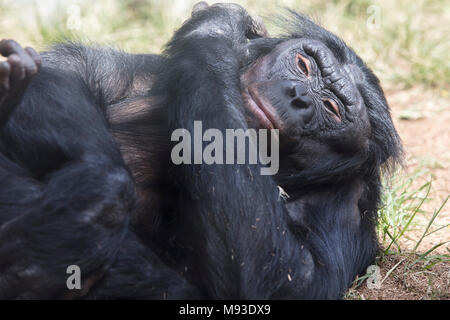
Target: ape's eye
[
  {"x": 303, "y": 64},
  {"x": 332, "y": 108}
]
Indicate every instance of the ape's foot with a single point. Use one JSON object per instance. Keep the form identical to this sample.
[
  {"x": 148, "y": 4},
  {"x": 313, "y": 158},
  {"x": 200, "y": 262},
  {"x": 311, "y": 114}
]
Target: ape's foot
[{"x": 20, "y": 66}]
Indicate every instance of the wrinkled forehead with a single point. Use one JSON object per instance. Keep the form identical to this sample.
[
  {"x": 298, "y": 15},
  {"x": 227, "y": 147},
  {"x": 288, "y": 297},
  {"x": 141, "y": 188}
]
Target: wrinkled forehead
[{"x": 353, "y": 71}]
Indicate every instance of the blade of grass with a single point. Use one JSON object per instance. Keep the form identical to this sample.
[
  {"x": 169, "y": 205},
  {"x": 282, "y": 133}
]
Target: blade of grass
[
  {"x": 430, "y": 223},
  {"x": 413, "y": 215}
]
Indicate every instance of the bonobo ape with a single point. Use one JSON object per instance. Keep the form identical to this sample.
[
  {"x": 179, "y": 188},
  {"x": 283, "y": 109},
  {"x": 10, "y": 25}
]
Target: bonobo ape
[{"x": 86, "y": 177}]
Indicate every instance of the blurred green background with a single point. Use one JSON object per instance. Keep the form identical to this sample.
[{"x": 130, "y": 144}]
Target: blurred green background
[{"x": 406, "y": 42}]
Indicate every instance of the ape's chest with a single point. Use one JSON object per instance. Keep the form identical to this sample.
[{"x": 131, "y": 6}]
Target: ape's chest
[{"x": 139, "y": 127}]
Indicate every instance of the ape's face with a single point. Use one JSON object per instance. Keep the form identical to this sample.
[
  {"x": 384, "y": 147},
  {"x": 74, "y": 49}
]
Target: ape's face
[{"x": 301, "y": 89}]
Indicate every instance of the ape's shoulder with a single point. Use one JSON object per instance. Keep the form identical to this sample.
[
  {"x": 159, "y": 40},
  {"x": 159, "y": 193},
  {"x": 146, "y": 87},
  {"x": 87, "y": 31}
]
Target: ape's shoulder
[{"x": 111, "y": 74}]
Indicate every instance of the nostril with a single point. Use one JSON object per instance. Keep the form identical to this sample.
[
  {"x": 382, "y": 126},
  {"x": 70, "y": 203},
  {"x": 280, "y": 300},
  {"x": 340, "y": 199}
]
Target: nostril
[
  {"x": 301, "y": 103},
  {"x": 298, "y": 95},
  {"x": 297, "y": 91},
  {"x": 292, "y": 92}
]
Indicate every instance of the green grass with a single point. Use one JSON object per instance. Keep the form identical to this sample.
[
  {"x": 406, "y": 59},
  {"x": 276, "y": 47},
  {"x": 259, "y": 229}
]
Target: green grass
[{"x": 403, "y": 202}]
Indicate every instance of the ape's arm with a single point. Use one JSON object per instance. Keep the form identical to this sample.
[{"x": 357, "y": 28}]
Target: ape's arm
[{"x": 230, "y": 215}]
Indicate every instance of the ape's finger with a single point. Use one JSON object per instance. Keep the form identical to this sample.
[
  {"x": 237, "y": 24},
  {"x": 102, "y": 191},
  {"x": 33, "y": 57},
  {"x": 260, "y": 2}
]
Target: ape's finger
[
  {"x": 4, "y": 77},
  {"x": 26, "y": 59},
  {"x": 29, "y": 65},
  {"x": 199, "y": 6},
  {"x": 8, "y": 47},
  {"x": 34, "y": 55},
  {"x": 17, "y": 68},
  {"x": 33, "y": 67}
]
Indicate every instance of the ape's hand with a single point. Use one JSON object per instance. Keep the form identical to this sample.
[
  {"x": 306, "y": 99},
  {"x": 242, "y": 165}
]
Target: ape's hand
[
  {"x": 15, "y": 73},
  {"x": 224, "y": 20},
  {"x": 20, "y": 66}
]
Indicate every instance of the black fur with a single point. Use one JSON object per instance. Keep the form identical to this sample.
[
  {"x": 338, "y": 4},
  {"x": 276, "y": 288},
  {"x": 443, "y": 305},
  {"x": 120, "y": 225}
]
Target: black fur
[{"x": 68, "y": 196}]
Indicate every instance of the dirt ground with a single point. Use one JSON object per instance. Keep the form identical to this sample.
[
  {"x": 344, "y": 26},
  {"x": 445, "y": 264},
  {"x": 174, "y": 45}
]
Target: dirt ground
[
  {"x": 402, "y": 280},
  {"x": 423, "y": 122}
]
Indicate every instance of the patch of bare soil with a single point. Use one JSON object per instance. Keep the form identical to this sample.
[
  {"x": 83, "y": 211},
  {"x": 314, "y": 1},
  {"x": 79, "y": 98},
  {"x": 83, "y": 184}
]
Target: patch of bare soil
[
  {"x": 401, "y": 279},
  {"x": 422, "y": 119}
]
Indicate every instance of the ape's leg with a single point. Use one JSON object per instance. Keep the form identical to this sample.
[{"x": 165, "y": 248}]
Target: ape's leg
[
  {"x": 15, "y": 73},
  {"x": 137, "y": 273},
  {"x": 65, "y": 199},
  {"x": 74, "y": 216}
]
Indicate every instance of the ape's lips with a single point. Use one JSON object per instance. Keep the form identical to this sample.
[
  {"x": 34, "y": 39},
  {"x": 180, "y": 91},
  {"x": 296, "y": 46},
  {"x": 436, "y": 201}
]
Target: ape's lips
[{"x": 262, "y": 110}]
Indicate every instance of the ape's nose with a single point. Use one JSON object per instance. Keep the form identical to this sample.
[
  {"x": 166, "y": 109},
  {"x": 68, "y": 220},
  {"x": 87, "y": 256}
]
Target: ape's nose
[{"x": 299, "y": 96}]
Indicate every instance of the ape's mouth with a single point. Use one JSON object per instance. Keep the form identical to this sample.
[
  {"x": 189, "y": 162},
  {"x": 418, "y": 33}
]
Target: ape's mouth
[{"x": 264, "y": 112}]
